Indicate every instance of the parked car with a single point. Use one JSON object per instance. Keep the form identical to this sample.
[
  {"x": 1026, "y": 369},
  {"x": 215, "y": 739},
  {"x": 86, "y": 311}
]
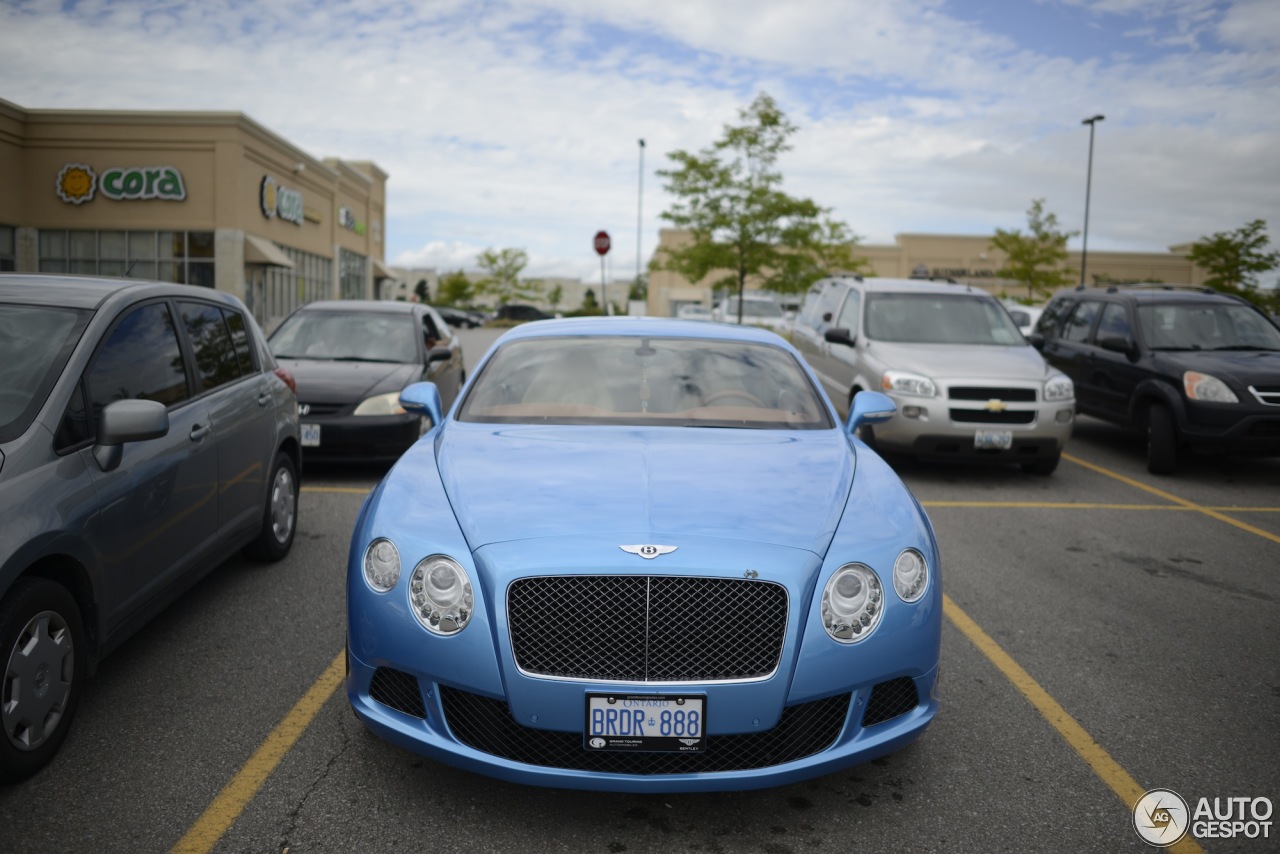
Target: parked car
[
  {"x": 694, "y": 312},
  {"x": 966, "y": 381},
  {"x": 757, "y": 310},
  {"x": 515, "y": 311},
  {"x": 1191, "y": 369},
  {"x": 146, "y": 435},
  {"x": 1025, "y": 316},
  {"x": 569, "y": 588},
  {"x": 351, "y": 358},
  {"x": 460, "y": 318}
]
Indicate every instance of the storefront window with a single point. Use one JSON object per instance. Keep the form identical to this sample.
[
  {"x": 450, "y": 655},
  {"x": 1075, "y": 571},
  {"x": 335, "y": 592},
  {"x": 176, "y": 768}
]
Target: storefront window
[
  {"x": 352, "y": 268},
  {"x": 273, "y": 292},
  {"x": 185, "y": 257},
  {"x": 8, "y": 248}
]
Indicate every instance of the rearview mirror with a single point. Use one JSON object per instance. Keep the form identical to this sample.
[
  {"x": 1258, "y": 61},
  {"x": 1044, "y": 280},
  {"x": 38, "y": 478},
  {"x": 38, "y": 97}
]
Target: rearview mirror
[
  {"x": 869, "y": 407},
  {"x": 423, "y": 399},
  {"x": 1116, "y": 344},
  {"x": 839, "y": 335},
  {"x": 439, "y": 354},
  {"x": 127, "y": 421}
]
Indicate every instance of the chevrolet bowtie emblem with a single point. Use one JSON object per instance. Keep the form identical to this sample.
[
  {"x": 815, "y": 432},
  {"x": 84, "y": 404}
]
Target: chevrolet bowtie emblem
[
  {"x": 648, "y": 552},
  {"x": 994, "y": 405}
]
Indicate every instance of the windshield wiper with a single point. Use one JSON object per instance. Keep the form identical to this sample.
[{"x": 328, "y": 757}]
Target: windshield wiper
[
  {"x": 360, "y": 359},
  {"x": 1247, "y": 347},
  {"x": 1193, "y": 347}
]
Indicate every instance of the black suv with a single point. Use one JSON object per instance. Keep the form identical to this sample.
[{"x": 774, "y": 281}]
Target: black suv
[
  {"x": 513, "y": 311},
  {"x": 1192, "y": 368}
]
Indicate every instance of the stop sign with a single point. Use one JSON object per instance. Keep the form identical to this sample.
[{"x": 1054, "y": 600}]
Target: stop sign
[{"x": 601, "y": 242}]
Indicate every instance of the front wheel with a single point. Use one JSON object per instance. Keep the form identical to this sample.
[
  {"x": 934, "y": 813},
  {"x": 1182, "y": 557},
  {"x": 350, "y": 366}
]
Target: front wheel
[
  {"x": 280, "y": 516},
  {"x": 42, "y": 641},
  {"x": 1162, "y": 440}
]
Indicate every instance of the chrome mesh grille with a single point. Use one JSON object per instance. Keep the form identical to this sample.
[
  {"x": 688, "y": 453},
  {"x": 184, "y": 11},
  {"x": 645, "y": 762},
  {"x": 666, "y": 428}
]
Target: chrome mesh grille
[{"x": 646, "y": 628}]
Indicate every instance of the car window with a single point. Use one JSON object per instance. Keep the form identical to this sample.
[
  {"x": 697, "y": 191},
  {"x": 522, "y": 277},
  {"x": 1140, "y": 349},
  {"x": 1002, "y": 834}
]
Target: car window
[
  {"x": 1080, "y": 321},
  {"x": 74, "y": 426},
  {"x": 216, "y": 360},
  {"x": 822, "y": 299},
  {"x": 1049, "y": 322},
  {"x": 626, "y": 380},
  {"x": 240, "y": 337},
  {"x": 1114, "y": 323},
  {"x": 848, "y": 317},
  {"x": 928, "y": 318},
  {"x": 140, "y": 358},
  {"x": 35, "y": 343},
  {"x": 1206, "y": 326},
  {"x": 356, "y": 336}
]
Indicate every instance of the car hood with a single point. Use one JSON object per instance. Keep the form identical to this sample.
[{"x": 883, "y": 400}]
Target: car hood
[
  {"x": 1244, "y": 367},
  {"x": 963, "y": 361},
  {"x": 514, "y": 482},
  {"x": 322, "y": 381}
]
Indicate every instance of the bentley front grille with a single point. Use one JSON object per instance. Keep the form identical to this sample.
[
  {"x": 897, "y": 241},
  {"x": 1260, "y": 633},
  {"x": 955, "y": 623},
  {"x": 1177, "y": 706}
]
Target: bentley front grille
[
  {"x": 647, "y": 628},
  {"x": 486, "y": 725}
]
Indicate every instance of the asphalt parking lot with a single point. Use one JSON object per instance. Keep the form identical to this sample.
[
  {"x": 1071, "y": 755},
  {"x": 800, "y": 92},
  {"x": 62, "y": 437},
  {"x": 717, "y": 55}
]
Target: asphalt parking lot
[{"x": 1107, "y": 632}]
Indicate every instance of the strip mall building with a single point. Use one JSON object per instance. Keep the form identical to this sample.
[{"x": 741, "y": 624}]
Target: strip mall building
[{"x": 203, "y": 198}]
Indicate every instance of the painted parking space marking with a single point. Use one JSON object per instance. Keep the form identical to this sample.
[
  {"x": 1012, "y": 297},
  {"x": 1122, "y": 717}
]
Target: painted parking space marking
[
  {"x": 236, "y": 795},
  {"x": 1168, "y": 496},
  {"x": 1095, "y": 756},
  {"x": 1085, "y": 505},
  {"x": 352, "y": 490}
]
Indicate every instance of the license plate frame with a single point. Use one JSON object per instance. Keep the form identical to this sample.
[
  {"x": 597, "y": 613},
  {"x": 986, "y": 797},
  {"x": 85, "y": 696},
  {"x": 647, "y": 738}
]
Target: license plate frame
[
  {"x": 644, "y": 734},
  {"x": 998, "y": 440},
  {"x": 310, "y": 435}
]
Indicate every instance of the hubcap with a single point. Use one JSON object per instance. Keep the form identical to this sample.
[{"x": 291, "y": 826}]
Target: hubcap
[
  {"x": 283, "y": 497},
  {"x": 37, "y": 681}
]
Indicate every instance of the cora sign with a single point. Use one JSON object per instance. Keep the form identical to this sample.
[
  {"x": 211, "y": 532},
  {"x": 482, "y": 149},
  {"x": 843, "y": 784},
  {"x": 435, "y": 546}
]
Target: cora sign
[
  {"x": 78, "y": 183},
  {"x": 281, "y": 202}
]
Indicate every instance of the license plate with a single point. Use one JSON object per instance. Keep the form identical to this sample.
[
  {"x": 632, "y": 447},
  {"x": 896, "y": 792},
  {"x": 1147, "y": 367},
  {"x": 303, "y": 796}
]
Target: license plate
[
  {"x": 310, "y": 435},
  {"x": 998, "y": 439},
  {"x": 646, "y": 722}
]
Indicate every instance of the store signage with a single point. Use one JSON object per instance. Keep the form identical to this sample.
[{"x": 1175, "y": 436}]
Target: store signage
[
  {"x": 77, "y": 183},
  {"x": 347, "y": 219},
  {"x": 281, "y": 202}
]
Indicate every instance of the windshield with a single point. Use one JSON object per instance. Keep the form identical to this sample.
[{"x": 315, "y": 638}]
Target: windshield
[
  {"x": 940, "y": 319},
  {"x": 644, "y": 382},
  {"x": 1202, "y": 326},
  {"x": 752, "y": 308},
  {"x": 352, "y": 337},
  {"x": 35, "y": 342}
]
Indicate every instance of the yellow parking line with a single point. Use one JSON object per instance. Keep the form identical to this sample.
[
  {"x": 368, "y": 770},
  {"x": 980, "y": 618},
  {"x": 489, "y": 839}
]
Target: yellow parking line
[
  {"x": 235, "y": 796},
  {"x": 357, "y": 490},
  {"x": 1084, "y": 505},
  {"x": 1160, "y": 493},
  {"x": 1108, "y": 770}
]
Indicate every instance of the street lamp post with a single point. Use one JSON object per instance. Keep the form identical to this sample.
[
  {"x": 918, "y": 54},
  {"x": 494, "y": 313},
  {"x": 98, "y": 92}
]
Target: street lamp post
[
  {"x": 1088, "y": 185},
  {"x": 639, "y": 212}
]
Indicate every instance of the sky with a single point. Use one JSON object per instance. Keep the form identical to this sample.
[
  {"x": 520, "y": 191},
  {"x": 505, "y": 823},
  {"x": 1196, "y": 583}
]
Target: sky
[{"x": 516, "y": 124}]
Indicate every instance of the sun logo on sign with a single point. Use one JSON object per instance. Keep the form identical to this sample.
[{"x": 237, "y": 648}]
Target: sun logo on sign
[{"x": 76, "y": 183}]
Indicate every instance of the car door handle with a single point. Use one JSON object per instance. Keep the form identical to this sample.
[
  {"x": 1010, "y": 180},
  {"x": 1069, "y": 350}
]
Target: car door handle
[
  {"x": 199, "y": 431},
  {"x": 264, "y": 398}
]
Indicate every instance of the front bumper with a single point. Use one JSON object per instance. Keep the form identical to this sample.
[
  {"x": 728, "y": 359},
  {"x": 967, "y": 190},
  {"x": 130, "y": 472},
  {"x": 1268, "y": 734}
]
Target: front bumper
[
  {"x": 942, "y": 427},
  {"x": 1248, "y": 428},
  {"x": 479, "y": 733},
  {"x": 360, "y": 438}
]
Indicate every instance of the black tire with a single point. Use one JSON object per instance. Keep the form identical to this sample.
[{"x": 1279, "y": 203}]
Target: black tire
[
  {"x": 1162, "y": 440},
  {"x": 43, "y": 646},
  {"x": 1044, "y": 466},
  {"x": 280, "y": 516}
]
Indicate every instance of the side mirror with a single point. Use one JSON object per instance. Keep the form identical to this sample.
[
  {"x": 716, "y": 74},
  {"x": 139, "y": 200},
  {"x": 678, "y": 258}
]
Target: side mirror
[
  {"x": 127, "y": 421},
  {"x": 1035, "y": 339},
  {"x": 423, "y": 399},
  {"x": 1117, "y": 344},
  {"x": 839, "y": 335},
  {"x": 869, "y": 407},
  {"x": 439, "y": 354}
]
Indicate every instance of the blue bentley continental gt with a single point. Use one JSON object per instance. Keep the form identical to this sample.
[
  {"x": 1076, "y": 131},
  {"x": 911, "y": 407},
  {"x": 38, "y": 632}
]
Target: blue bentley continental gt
[{"x": 646, "y": 556}]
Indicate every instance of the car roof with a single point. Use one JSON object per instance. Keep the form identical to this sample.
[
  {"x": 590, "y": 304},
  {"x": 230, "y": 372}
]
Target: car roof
[
  {"x": 1153, "y": 294},
  {"x": 90, "y": 292},
  {"x": 664, "y": 327},
  {"x": 388, "y": 306}
]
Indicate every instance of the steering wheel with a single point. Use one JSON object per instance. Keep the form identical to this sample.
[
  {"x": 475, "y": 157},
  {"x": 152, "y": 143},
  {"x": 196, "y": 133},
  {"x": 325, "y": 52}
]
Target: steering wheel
[{"x": 732, "y": 394}]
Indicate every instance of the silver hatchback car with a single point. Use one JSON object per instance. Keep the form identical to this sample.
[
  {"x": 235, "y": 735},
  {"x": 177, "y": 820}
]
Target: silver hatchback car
[
  {"x": 146, "y": 435},
  {"x": 966, "y": 381}
]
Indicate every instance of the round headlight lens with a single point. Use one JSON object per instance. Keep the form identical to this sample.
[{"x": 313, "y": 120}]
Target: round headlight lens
[
  {"x": 852, "y": 603},
  {"x": 910, "y": 575},
  {"x": 440, "y": 595},
  {"x": 381, "y": 565}
]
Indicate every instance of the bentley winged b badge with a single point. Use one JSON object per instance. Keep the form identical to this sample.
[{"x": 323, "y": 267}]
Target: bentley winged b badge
[{"x": 648, "y": 552}]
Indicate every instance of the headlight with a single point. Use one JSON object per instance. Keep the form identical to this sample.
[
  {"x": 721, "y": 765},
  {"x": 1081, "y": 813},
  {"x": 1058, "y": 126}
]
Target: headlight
[
  {"x": 852, "y": 603},
  {"x": 381, "y": 565},
  {"x": 905, "y": 383},
  {"x": 1059, "y": 388},
  {"x": 440, "y": 594},
  {"x": 1200, "y": 386},
  {"x": 381, "y": 404},
  {"x": 910, "y": 575}
]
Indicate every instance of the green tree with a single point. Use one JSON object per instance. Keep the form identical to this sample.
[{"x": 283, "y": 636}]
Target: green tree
[
  {"x": 502, "y": 280},
  {"x": 554, "y": 296},
  {"x": 1035, "y": 259},
  {"x": 729, "y": 198},
  {"x": 1234, "y": 259},
  {"x": 455, "y": 289},
  {"x": 589, "y": 303},
  {"x": 420, "y": 290}
]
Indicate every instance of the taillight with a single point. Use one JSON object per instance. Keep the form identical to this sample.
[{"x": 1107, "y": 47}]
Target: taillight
[{"x": 284, "y": 374}]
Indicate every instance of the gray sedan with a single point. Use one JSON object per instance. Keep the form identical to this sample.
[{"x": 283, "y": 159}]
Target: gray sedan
[{"x": 146, "y": 435}]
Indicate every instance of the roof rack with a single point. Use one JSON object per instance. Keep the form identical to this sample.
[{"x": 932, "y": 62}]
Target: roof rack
[
  {"x": 946, "y": 279},
  {"x": 1159, "y": 286}
]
